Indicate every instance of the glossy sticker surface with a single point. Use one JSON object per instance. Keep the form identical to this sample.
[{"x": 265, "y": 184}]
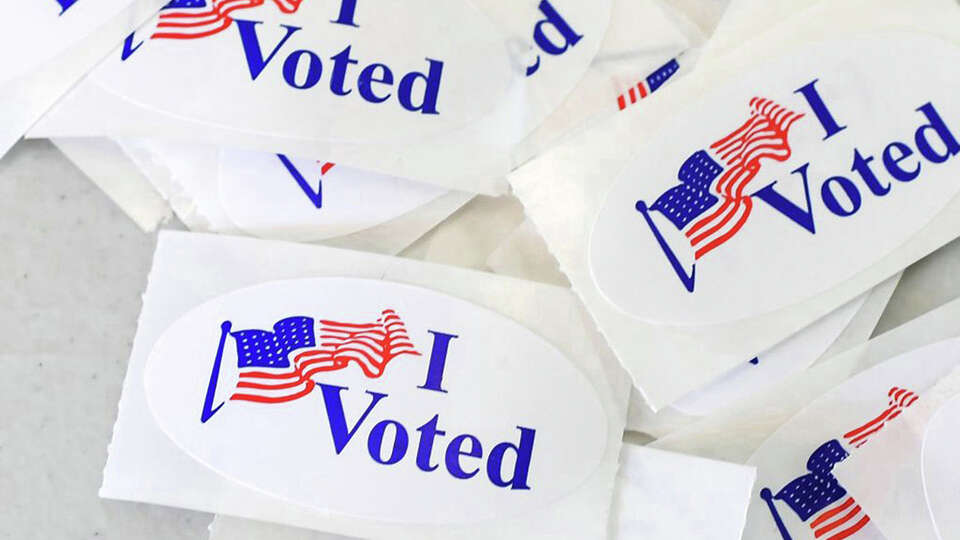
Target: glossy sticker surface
[
  {"x": 784, "y": 183},
  {"x": 334, "y": 392}
]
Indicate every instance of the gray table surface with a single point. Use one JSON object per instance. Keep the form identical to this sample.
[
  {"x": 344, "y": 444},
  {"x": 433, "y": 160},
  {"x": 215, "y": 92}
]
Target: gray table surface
[{"x": 71, "y": 273}]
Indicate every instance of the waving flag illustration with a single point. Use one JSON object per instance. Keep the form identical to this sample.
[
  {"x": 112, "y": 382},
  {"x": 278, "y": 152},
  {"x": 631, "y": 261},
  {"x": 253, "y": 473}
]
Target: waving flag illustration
[
  {"x": 710, "y": 205},
  {"x": 651, "y": 84},
  {"x": 193, "y": 19},
  {"x": 817, "y": 498},
  {"x": 277, "y": 366}
]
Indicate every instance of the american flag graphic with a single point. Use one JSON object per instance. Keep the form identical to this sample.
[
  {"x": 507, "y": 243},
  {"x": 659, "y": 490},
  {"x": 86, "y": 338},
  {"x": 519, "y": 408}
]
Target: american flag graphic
[
  {"x": 277, "y": 366},
  {"x": 193, "y": 19},
  {"x": 818, "y": 497},
  {"x": 723, "y": 174},
  {"x": 898, "y": 400},
  {"x": 649, "y": 85}
]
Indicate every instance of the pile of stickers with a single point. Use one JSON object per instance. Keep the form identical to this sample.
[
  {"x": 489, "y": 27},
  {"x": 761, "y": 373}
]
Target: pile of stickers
[{"x": 445, "y": 258}]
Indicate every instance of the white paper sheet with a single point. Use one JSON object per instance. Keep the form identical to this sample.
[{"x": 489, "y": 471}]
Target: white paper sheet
[
  {"x": 467, "y": 237},
  {"x": 659, "y": 495},
  {"x": 704, "y": 14},
  {"x": 902, "y": 478},
  {"x": 563, "y": 208},
  {"x": 808, "y": 345},
  {"x": 735, "y": 433},
  {"x": 173, "y": 478},
  {"x": 59, "y": 43},
  {"x": 523, "y": 254},
  {"x": 744, "y": 20},
  {"x": 663, "y": 495}
]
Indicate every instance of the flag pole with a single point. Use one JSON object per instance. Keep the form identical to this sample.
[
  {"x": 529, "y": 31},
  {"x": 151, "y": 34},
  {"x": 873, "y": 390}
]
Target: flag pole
[
  {"x": 767, "y": 496},
  {"x": 687, "y": 280},
  {"x": 208, "y": 411}
]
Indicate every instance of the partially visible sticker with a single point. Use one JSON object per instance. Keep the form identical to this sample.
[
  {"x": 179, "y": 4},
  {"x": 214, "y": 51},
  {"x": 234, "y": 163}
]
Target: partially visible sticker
[
  {"x": 324, "y": 392},
  {"x": 351, "y": 72},
  {"x": 791, "y": 356},
  {"x": 284, "y": 197},
  {"x": 797, "y": 495},
  {"x": 802, "y": 173},
  {"x": 941, "y": 474}
]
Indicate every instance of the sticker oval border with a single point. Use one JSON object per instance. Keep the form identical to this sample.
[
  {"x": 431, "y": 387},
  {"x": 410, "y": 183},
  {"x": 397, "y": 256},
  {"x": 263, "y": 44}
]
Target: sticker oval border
[{"x": 476, "y": 316}]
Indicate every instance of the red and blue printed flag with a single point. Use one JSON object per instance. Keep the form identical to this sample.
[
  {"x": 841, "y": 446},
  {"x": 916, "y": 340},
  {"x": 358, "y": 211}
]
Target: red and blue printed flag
[
  {"x": 711, "y": 203},
  {"x": 193, "y": 19},
  {"x": 817, "y": 498},
  {"x": 278, "y": 366},
  {"x": 649, "y": 85}
]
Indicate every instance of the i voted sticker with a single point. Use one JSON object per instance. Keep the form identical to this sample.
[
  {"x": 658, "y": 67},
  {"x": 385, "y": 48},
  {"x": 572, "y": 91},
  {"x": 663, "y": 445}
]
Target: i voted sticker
[
  {"x": 284, "y": 197},
  {"x": 779, "y": 186},
  {"x": 797, "y": 494},
  {"x": 349, "y": 71},
  {"x": 326, "y": 392}
]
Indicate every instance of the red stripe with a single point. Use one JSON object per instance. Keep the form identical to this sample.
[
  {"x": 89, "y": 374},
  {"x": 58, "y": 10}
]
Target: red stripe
[
  {"x": 720, "y": 240},
  {"x": 880, "y": 418},
  {"x": 290, "y": 6},
  {"x": 266, "y": 386},
  {"x": 851, "y": 530},
  {"x": 175, "y": 35},
  {"x": 274, "y": 399},
  {"x": 633, "y": 96},
  {"x": 830, "y": 513},
  {"x": 642, "y": 89},
  {"x": 204, "y": 23},
  {"x": 621, "y": 103},
  {"x": 742, "y": 151},
  {"x": 727, "y": 217},
  {"x": 265, "y": 375},
  {"x": 838, "y": 522}
]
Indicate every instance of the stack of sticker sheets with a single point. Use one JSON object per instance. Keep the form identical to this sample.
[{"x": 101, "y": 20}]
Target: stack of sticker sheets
[{"x": 605, "y": 269}]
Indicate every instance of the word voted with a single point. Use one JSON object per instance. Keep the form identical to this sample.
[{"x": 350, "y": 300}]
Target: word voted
[
  {"x": 933, "y": 140},
  {"x": 302, "y": 69},
  {"x": 459, "y": 449},
  {"x": 375, "y": 82}
]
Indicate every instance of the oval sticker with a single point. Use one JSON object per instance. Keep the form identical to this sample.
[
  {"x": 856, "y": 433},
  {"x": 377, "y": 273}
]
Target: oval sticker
[
  {"x": 341, "y": 71},
  {"x": 796, "y": 492},
  {"x": 284, "y": 197},
  {"x": 791, "y": 180},
  {"x": 333, "y": 392}
]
